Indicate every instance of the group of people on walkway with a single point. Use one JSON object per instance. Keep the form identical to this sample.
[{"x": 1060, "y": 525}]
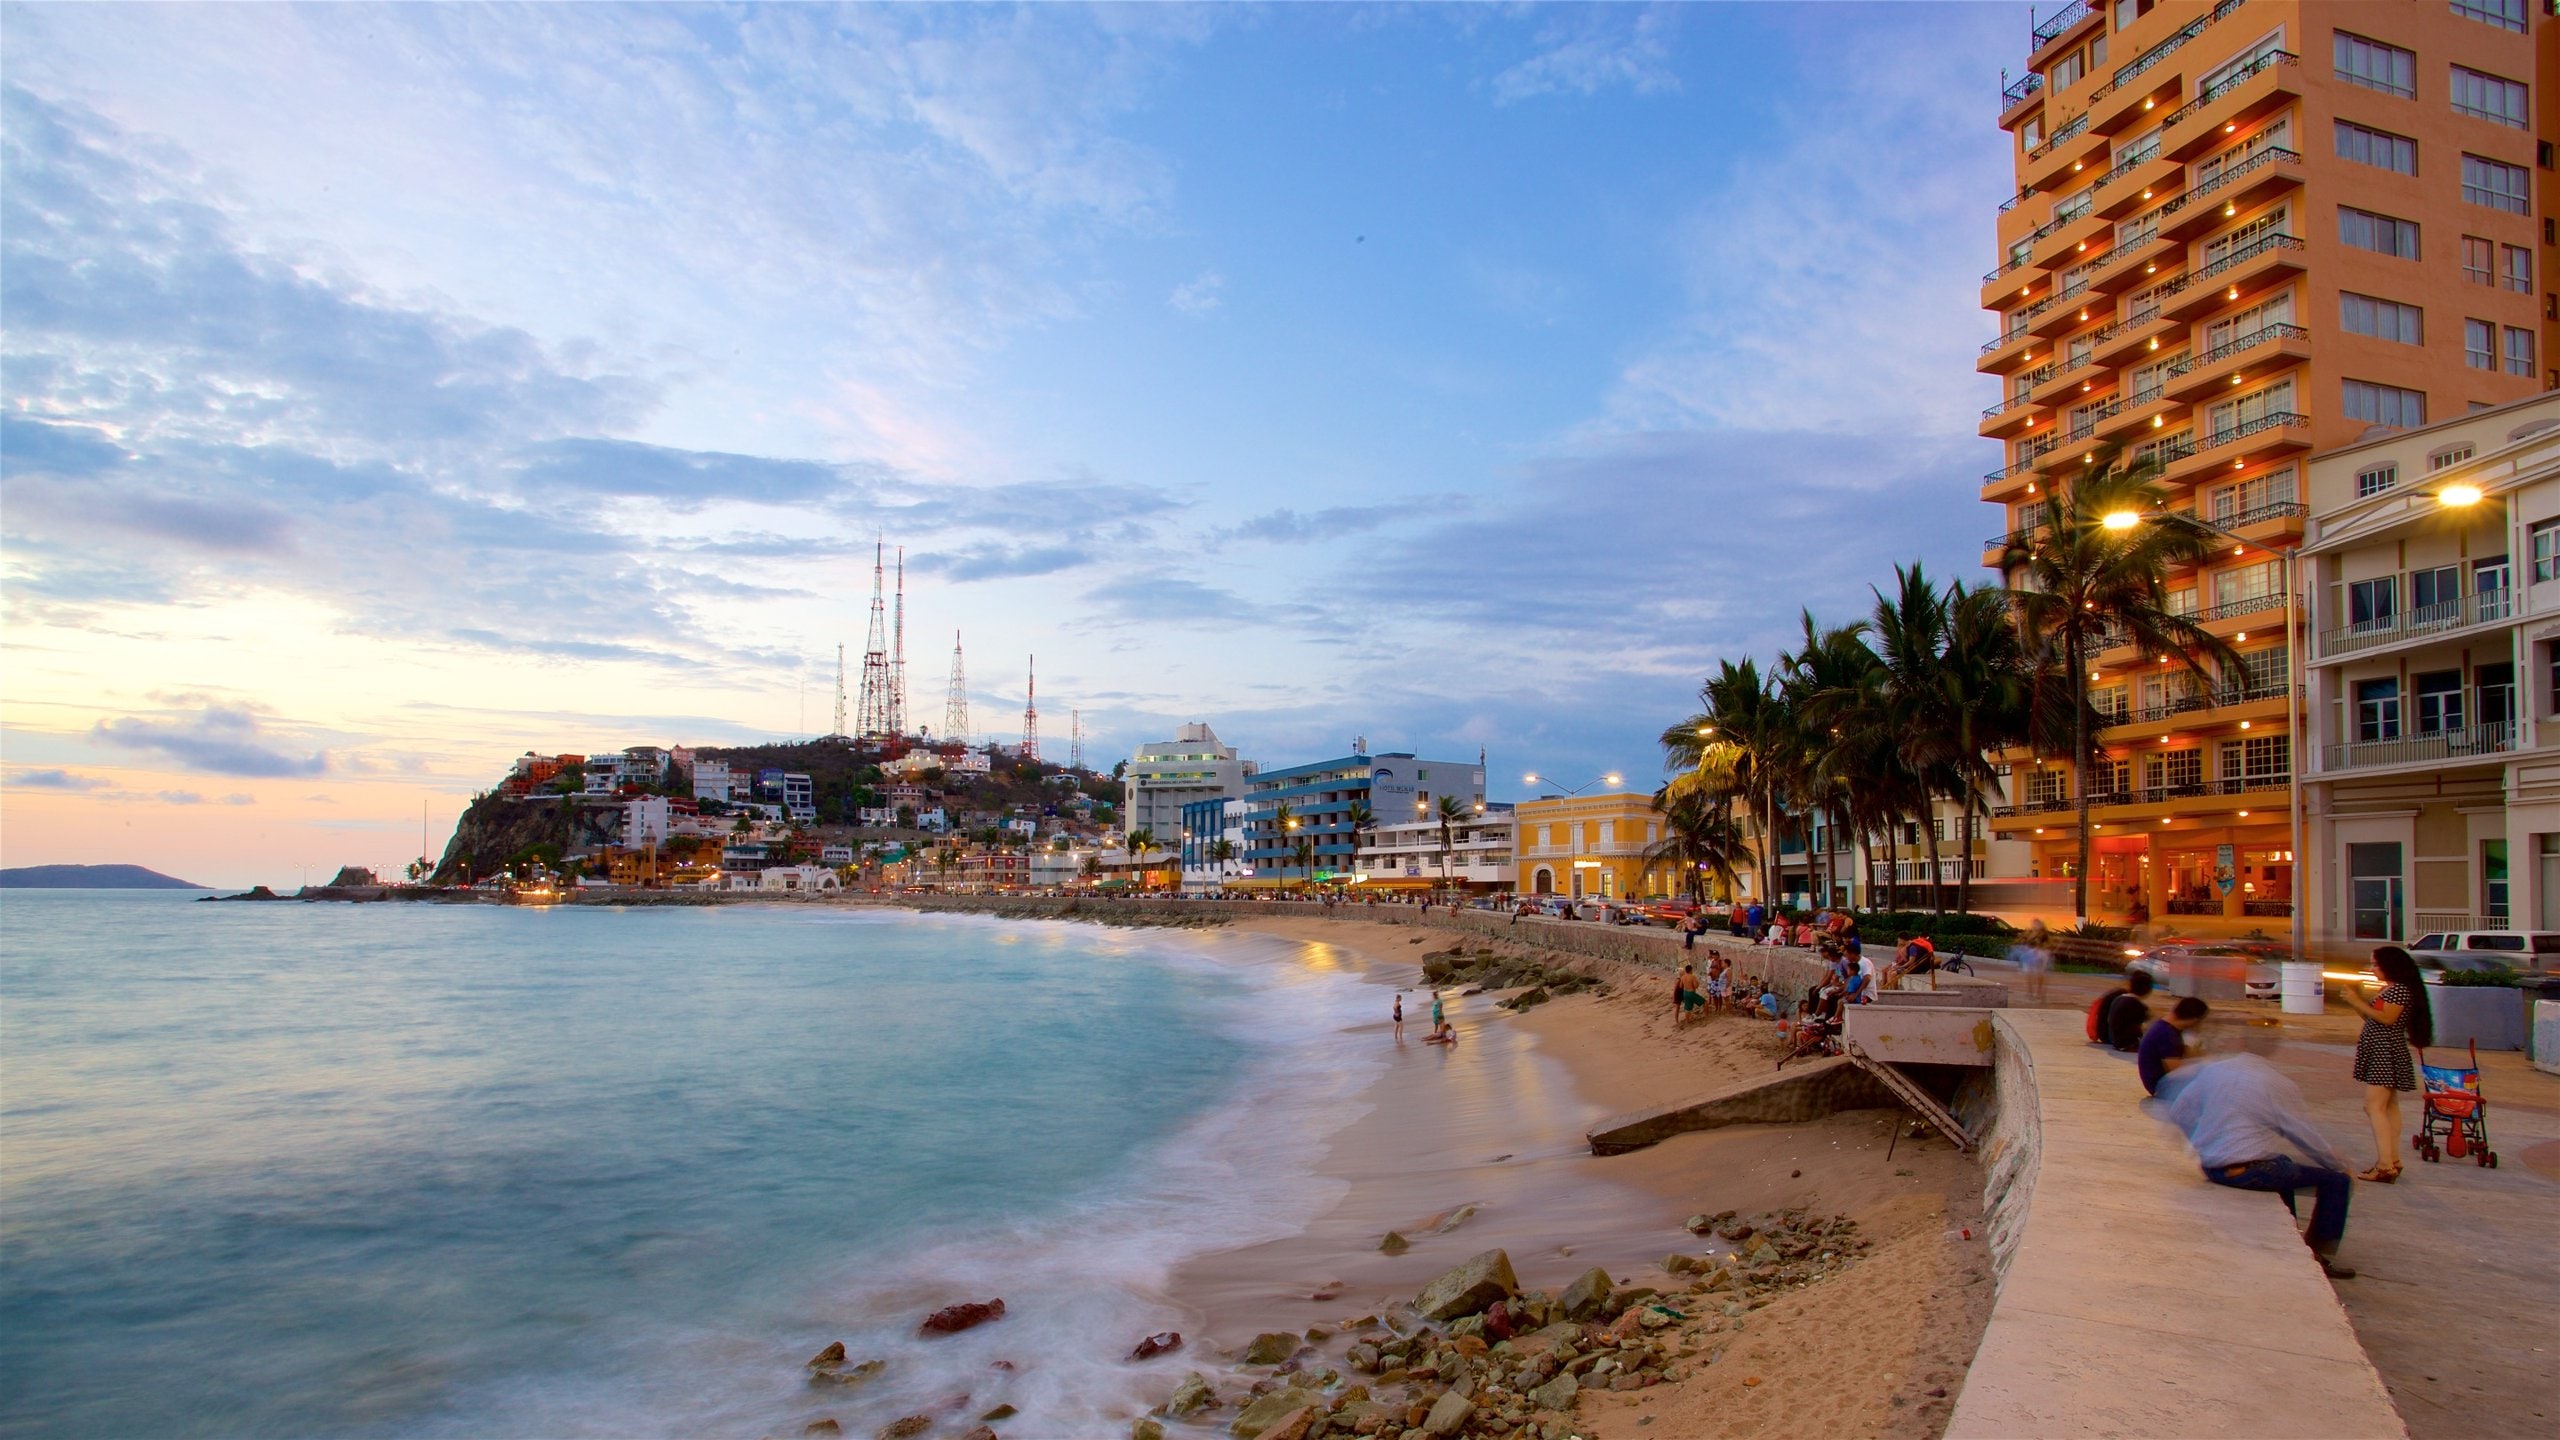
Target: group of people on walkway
[{"x": 2248, "y": 1121}]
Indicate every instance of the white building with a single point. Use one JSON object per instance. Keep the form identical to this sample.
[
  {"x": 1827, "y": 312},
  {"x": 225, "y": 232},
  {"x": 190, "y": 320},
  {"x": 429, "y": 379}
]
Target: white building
[
  {"x": 1166, "y": 775},
  {"x": 1407, "y": 854},
  {"x": 783, "y": 878},
  {"x": 800, "y": 797},
  {"x": 2432, "y": 573},
  {"x": 646, "y": 820},
  {"x": 604, "y": 772},
  {"x": 714, "y": 780}
]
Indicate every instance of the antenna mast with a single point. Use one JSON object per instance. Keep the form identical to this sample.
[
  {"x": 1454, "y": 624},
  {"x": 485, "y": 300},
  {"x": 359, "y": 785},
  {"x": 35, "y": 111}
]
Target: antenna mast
[
  {"x": 878, "y": 719},
  {"x": 955, "y": 701},
  {"x": 898, "y": 653},
  {"x": 1031, "y": 710},
  {"x": 1075, "y": 739}
]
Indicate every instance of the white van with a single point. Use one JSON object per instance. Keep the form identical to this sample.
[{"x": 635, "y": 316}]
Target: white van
[{"x": 2514, "y": 949}]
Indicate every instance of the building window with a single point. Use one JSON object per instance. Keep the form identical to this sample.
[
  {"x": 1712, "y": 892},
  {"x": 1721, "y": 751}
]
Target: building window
[
  {"x": 2380, "y": 234},
  {"x": 2374, "y": 479},
  {"x": 2378, "y": 148},
  {"x": 2376, "y": 66},
  {"x": 2494, "y": 183},
  {"x": 2519, "y": 269},
  {"x": 2546, "y": 549},
  {"x": 2519, "y": 351},
  {"x": 2378, "y": 709},
  {"x": 2488, "y": 97},
  {"x": 2450, "y": 455},
  {"x": 2242, "y": 584},
  {"x": 2232, "y": 418},
  {"x": 2439, "y": 701},
  {"x": 2259, "y": 757},
  {"x": 2382, "y": 404},
  {"x": 2476, "y": 258},
  {"x": 2505, "y": 14},
  {"x": 2479, "y": 344},
  {"x": 2249, "y": 325},
  {"x": 2373, "y": 604},
  {"x": 2068, "y": 70},
  {"x": 2496, "y": 687},
  {"x": 2435, "y": 593},
  {"x": 2381, "y": 319},
  {"x": 2251, "y": 499}
]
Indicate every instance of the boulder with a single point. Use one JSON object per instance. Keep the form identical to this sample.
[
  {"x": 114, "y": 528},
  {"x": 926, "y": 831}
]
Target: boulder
[
  {"x": 952, "y": 1319},
  {"x": 983, "y": 1432},
  {"x": 1394, "y": 1244},
  {"x": 1295, "y": 1424},
  {"x": 1146, "y": 1427},
  {"x": 1155, "y": 1345},
  {"x": 1001, "y": 1412},
  {"x": 1469, "y": 1287},
  {"x": 1269, "y": 1410},
  {"x": 1448, "y": 1414},
  {"x": 1556, "y": 1394},
  {"x": 1587, "y": 1296},
  {"x": 904, "y": 1426},
  {"x": 847, "y": 1376},
  {"x": 1364, "y": 1358},
  {"x": 1193, "y": 1394},
  {"x": 828, "y": 1358},
  {"x": 828, "y": 1426},
  {"x": 1271, "y": 1347}
]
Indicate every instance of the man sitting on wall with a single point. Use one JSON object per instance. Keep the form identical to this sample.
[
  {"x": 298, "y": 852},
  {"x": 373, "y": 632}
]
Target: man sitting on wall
[
  {"x": 1918, "y": 957},
  {"x": 2252, "y": 1131}
]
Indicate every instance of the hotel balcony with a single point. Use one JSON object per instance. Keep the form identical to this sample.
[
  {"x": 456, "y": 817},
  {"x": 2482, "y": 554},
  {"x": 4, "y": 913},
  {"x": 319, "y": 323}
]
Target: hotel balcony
[
  {"x": 2410, "y": 628},
  {"x": 2063, "y": 29},
  {"x": 2078, "y": 450},
  {"x": 2255, "y": 355},
  {"x": 2137, "y": 260},
  {"x": 2009, "y": 483},
  {"x": 2137, "y": 803},
  {"x": 2254, "y": 442},
  {"x": 2234, "y": 707},
  {"x": 2022, "y": 94},
  {"x": 2118, "y": 105},
  {"x": 2266, "y": 85},
  {"x": 2006, "y": 418},
  {"x": 2429, "y": 749},
  {"x": 2126, "y": 340},
  {"x": 2258, "y": 265},
  {"x": 2073, "y": 241},
  {"x": 2058, "y": 163},
  {"x": 2008, "y": 352},
  {"x": 2132, "y": 418},
  {"x": 2131, "y": 185},
  {"x": 2067, "y": 385},
  {"x": 2012, "y": 280}
]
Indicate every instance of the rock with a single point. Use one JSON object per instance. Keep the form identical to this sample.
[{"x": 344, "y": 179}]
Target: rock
[
  {"x": 1271, "y": 1347},
  {"x": 1364, "y": 1358},
  {"x": 1448, "y": 1414},
  {"x": 1679, "y": 1264},
  {"x": 1766, "y": 1254},
  {"x": 1155, "y": 1345},
  {"x": 1697, "y": 1225},
  {"x": 1269, "y": 1410},
  {"x": 1001, "y": 1412},
  {"x": 828, "y": 1358},
  {"x": 1317, "y": 1334},
  {"x": 904, "y": 1426},
  {"x": 827, "y": 1426},
  {"x": 1295, "y": 1424},
  {"x": 1469, "y": 1287},
  {"x": 1394, "y": 1244},
  {"x": 952, "y": 1319},
  {"x": 1191, "y": 1396},
  {"x": 1502, "y": 1322},
  {"x": 1146, "y": 1427},
  {"x": 1556, "y": 1394},
  {"x": 982, "y": 1432},
  {"x": 1454, "y": 1219},
  {"x": 856, "y": 1375},
  {"x": 1586, "y": 1296}
]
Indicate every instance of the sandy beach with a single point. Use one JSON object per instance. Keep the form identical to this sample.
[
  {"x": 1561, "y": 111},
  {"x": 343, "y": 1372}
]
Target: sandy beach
[{"x": 1480, "y": 1145}]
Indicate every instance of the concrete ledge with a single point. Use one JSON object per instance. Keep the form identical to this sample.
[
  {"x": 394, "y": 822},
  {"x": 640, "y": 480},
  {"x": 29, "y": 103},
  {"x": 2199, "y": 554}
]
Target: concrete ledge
[
  {"x": 2137, "y": 1299},
  {"x": 1790, "y": 1096}
]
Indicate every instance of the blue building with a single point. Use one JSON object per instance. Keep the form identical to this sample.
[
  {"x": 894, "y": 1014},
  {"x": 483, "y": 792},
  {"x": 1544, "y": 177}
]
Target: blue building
[{"x": 1322, "y": 797}]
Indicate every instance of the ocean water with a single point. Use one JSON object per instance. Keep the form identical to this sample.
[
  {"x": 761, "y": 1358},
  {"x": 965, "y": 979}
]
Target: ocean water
[{"x": 333, "y": 1170}]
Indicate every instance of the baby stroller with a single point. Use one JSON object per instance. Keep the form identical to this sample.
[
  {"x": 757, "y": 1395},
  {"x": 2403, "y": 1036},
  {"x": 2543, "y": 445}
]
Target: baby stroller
[{"x": 2455, "y": 1111}]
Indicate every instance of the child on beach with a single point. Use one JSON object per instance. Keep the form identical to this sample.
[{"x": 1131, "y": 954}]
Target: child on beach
[
  {"x": 1719, "y": 977},
  {"x": 1684, "y": 995},
  {"x": 1399, "y": 1015},
  {"x": 1439, "y": 1017}
]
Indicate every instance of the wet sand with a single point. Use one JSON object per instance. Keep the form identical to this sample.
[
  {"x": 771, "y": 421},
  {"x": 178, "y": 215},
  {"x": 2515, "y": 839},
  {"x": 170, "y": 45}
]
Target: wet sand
[{"x": 1497, "y": 1123}]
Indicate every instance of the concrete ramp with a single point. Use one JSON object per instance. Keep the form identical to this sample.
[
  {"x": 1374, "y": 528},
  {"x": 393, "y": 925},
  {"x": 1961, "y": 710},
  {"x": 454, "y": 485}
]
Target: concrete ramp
[{"x": 1791, "y": 1096}]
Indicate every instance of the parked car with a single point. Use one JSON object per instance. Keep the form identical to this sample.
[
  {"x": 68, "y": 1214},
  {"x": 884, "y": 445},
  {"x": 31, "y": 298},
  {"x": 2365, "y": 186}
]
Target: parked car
[
  {"x": 1608, "y": 912},
  {"x": 1670, "y": 912},
  {"x": 2213, "y": 969},
  {"x": 2535, "y": 950}
]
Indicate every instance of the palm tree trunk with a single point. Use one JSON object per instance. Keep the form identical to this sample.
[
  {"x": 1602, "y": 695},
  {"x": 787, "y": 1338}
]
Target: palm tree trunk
[
  {"x": 1892, "y": 869},
  {"x": 2079, "y": 769},
  {"x": 1937, "y": 876},
  {"x": 1964, "y": 860}
]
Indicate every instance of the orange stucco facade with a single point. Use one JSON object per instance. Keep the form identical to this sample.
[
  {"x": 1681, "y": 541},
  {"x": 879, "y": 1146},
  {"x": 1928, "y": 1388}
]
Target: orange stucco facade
[{"x": 2243, "y": 234}]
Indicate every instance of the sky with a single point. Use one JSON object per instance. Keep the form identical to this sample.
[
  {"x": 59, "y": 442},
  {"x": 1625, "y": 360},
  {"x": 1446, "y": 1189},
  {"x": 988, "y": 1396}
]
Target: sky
[{"x": 387, "y": 391}]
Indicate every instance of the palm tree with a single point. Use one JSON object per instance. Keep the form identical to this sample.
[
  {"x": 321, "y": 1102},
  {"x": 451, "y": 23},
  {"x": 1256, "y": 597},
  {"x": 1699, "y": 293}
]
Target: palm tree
[
  {"x": 1826, "y": 680},
  {"x": 1141, "y": 841},
  {"x": 1737, "y": 747},
  {"x": 2082, "y": 585},
  {"x": 1987, "y": 681},
  {"x": 1451, "y": 813},
  {"x": 1220, "y": 853},
  {"x": 1699, "y": 839},
  {"x": 1284, "y": 825},
  {"x": 1091, "y": 869},
  {"x": 1362, "y": 820},
  {"x": 1911, "y": 642}
]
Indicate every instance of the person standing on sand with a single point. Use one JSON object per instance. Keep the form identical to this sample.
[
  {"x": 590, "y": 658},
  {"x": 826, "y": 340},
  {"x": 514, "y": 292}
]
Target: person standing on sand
[
  {"x": 1684, "y": 994},
  {"x": 1399, "y": 1016},
  {"x": 1439, "y": 1017}
]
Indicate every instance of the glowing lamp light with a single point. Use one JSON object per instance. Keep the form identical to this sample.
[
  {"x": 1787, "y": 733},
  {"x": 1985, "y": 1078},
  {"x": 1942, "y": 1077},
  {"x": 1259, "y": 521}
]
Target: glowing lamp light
[
  {"x": 2146, "y": 194},
  {"x": 2121, "y": 520},
  {"x": 2156, "y": 421},
  {"x": 2244, "y": 814},
  {"x": 2243, "y": 636},
  {"x": 2084, "y": 246},
  {"x": 2146, "y": 104},
  {"x": 2244, "y": 725},
  {"x": 2458, "y": 496},
  {"x": 2084, "y": 314},
  {"x": 2231, "y": 127},
  {"x": 2152, "y": 270},
  {"x": 2232, "y": 294},
  {"x": 2155, "y": 342},
  {"x": 2075, "y": 167},
  {"x": 2088, "y": 458}
]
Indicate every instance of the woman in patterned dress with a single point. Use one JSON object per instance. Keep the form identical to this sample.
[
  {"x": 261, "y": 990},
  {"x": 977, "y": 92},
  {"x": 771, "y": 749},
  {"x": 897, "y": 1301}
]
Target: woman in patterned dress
[{"x": 2393, "y": 1021}]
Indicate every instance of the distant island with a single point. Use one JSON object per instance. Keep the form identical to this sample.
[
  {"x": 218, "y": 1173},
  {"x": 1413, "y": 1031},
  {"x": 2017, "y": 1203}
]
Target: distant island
[{"x": 90, "y": 877}]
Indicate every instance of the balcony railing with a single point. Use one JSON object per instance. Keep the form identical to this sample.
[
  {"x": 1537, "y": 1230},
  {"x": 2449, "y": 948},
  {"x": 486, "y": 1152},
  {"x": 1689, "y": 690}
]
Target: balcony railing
[
  {"x": 2435, "y": 746},
  {"x": 2261, "y": 513},
  {"x": 2264, "y": 334},
  {"x": 2149, "y": 795},
  {"x": 2020, "y": 88},
  {"x": 2086, "y": 424},
  {"x": 2424, "y": 921},
  {"x": 2272, "y": 155},
  {"x": 2078, "y": 124},
  {"x": 2061, "y": 20},
  {"x": 2245, "y": 605},
  {"x": 2273, "y": 420},
  {"x": 2229, "y": 83},
  {"x": 2463, "y": 611},
  {"x": 2189, "y": 702},
  {"x": 2246, "y": 253}
]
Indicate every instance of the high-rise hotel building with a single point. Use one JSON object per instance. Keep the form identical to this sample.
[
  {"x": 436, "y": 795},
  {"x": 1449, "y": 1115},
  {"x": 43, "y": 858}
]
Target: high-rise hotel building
[{"x": 2245, "y": 233}]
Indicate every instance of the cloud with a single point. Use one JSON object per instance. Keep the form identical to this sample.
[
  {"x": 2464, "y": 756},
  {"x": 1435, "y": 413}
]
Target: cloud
[
  {"x": 1200, "y": 294},
  {"x": 218, "y": 739},
  {"x": 1165, "y": 599},
  {"x": 190, "y": 797},
  {"x": 1001, "y": 562},
  {"x": 1288, "y": 527},
  {"x": 35, "y": 447},
  {"x": 54, "y": 780},
  {"x": 1596, "y": 49},
  {"x": 686, "y": 477}
]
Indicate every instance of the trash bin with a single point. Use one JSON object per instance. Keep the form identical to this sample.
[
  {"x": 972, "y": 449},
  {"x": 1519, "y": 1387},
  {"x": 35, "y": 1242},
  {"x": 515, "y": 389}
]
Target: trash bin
[{"x": 2301, "y": 988}]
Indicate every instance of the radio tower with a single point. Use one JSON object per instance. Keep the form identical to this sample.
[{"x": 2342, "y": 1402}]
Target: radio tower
[
  {"x": 898, "y": 653},
  {"x": 838, "y": 732},
  {"x": 955, "y": 701},
  {"x": 1075, "y": 739},
  {"x": 1031, "y": 710},
  {"x": 878, "y": 719}
]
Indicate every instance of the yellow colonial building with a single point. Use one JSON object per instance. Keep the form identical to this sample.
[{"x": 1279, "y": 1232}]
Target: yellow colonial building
[{"x": 1593, "y": 845}]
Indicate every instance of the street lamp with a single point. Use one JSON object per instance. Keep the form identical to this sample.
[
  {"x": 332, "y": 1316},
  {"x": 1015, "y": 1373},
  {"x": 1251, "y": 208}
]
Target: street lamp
[{"x": 1612, "y": 778}]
